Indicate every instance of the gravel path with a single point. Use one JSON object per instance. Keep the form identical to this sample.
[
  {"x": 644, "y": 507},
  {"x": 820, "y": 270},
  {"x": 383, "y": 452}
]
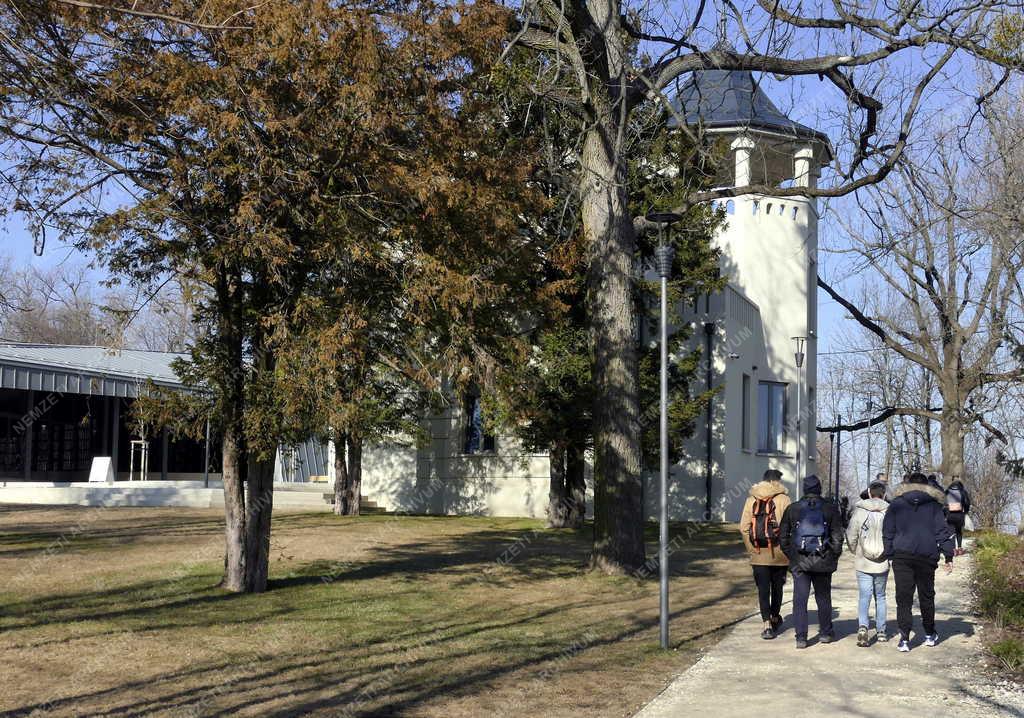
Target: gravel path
[{"x": 840, "y": 679}]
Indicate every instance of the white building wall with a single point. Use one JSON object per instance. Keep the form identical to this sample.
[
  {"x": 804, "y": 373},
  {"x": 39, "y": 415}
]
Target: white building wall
[
  {"x": 769, "y": 250},
  {"x": 440, "y": 479}
]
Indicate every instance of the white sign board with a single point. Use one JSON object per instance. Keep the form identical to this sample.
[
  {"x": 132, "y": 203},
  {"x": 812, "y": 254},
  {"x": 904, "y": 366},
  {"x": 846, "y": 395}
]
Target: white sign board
[{"x": 102, "y": 470}]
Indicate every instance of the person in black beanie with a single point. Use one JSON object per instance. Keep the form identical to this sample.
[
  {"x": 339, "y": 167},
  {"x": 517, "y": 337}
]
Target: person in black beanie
[
  {"x": 914, "y": 532},
  {"x": 811, "y": 535}
]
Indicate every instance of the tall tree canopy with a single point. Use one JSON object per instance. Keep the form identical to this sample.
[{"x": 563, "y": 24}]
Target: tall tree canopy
[{"x": 325, "y": 155}]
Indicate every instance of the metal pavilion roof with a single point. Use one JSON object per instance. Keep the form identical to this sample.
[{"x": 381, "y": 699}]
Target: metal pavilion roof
[
  {"x": 89, "y": 370},
  {"x": 733, "y": 99}
]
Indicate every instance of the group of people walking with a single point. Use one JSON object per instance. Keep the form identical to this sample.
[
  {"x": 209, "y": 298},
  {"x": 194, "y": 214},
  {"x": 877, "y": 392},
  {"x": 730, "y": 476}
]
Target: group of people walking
[{"x": 904, "y": 530}]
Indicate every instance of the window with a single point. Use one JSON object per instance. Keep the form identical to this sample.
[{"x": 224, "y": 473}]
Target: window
[
  {"x": 476, "y": 441},
  {"x": 771, "y": 417},
  {"x": 745, "y": 423}
]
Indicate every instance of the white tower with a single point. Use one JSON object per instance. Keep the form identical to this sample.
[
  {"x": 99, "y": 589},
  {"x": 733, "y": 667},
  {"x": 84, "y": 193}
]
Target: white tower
[{"x": 769, "y": 257}]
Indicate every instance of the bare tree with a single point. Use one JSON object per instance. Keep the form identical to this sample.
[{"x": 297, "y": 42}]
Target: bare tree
[
  {"x": 994, "y": 491},
  {"x": 604, "y": 61},
  {"x": 65, "y": 304},
  {"x": 942, "y": 235}
]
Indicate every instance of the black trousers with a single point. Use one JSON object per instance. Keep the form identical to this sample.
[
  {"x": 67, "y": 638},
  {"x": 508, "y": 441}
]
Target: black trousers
[
  {"x": 913, "y": 574},
  {"x": 956, "y": 522},
  {"x": 770, "y": 580},
  {"x": 802, "y": 583}
]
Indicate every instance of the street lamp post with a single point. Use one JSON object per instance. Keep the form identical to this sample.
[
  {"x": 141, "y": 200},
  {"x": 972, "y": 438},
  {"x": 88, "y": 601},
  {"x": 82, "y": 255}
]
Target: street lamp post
[
  {"x": 799, "y": 356},
  {"x": 663, "y": 255},
  {"x": 870, "y": 407}
]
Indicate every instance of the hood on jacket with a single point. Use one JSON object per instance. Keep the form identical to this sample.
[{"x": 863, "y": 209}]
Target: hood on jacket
[
  {"x": 908, "y": 488},
  {"x": 870, "y": 504},
  {"x": 767, "y": 489}
]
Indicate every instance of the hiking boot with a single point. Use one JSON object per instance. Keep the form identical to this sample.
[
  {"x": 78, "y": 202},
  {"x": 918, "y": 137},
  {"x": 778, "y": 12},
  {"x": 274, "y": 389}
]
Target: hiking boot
[
  {"x": 776, "y": 622},
  {"x": 904, "y": 646},
  {"x": 768, "y": 634},
  {"x": 862, "y": 637},
  {"x": 931, "y": 640},
  {"x": 801, "y": 643},
  {"x": 827, "y": 638}
]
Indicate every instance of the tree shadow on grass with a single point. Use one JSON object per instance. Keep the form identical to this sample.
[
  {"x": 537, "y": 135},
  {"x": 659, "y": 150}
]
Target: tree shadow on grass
[{"x": 404, "y": 662}]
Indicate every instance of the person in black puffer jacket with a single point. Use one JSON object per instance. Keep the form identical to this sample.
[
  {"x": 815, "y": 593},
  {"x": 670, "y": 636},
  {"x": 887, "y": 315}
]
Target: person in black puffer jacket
[
  {"x": 808, "y": 522},
  {"x": 914, "y": 533}
]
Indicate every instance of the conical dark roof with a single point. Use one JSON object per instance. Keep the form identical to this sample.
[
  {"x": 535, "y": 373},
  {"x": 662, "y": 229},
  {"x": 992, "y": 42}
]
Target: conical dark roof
[{"x": 721, "y": 99}]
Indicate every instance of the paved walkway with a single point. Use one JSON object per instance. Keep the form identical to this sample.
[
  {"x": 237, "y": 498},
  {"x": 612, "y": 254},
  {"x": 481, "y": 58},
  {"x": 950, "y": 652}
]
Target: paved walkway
[{"x": 840, "y": 679}]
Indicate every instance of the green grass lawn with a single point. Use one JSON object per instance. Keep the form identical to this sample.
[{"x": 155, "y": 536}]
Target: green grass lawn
[{"x": 117, "y": 612}]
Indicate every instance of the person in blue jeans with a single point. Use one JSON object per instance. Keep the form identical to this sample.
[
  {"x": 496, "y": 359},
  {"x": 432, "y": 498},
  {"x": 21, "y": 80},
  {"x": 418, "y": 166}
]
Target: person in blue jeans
[{"x": 866, "y": 542}]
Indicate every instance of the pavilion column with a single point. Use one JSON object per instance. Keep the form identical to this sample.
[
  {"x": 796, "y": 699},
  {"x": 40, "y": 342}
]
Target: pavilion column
[
  {"x": 805, "y": 170},
  {"x": 115, "y": 427},
  {"x": 165, "y": 445},
  {"x": 741, "y": 148},
  {"x": 29, "y": 431}
]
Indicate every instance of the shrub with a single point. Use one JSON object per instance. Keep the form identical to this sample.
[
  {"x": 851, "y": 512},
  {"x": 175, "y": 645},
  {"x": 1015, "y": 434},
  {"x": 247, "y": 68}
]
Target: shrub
[
  {"x": 1010, "y": 651},
  {"x": 999, "y": 578},
  {"x": 999, "y": 588}
]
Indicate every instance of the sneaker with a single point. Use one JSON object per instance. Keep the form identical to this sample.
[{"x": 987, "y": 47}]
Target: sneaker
[
  {"x": 862, "y": 637},
  {"x": 882, "y": 636},
  {"x": 801, "y": 643},
  {"x": 776, "y": 622},
  {"x": 931, "y": 640},
  {"x": 826, "y": 638},
  {"x": 768, "y": 634},
  {"x": 904, "y": 646}
]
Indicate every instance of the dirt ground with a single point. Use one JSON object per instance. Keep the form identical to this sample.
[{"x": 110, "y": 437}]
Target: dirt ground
[{"x": 117, "y": 612}]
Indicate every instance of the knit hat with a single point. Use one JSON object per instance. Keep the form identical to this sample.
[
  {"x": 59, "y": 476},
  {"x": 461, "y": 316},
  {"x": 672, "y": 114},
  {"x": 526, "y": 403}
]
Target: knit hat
[{"x": 812, "y": 485}]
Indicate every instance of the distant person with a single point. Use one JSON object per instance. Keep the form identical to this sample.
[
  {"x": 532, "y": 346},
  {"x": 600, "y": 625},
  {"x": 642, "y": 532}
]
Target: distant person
[
  {"x": 882, "y": 479},
  {"x": 812, "y": 537},
  {"x": 958, "y": 505},
  {"x": 915, "y": 532},
  {"x": 759, "y": 526},
  {"x": 844, "y": 510},
  {"x": 864, "y": 537}
]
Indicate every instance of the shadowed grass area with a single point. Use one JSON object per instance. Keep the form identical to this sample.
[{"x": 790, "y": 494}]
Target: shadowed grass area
[{"x": 118, "y": 612}]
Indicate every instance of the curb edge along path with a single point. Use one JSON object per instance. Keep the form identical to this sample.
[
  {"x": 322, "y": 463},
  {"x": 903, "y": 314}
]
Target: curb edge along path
[{"x": 744, "y": 670}]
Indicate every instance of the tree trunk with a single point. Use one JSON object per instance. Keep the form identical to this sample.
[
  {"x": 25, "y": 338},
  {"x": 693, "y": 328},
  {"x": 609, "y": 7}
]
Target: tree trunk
[
  {"x": 608, "y": 228},
  {"x": 259, "y": 507},
  {"x": 340, "y": 471},
  {"x": 558, "y": 499},
  {"x": 952, "y": 435},
  {"x": 576, "y": 486},
  {"x": 354, "y": 485},
  {"x": 234, "y": 509},
  {"x": 233, "y": 451},
  {"x": 259, "y": 481}
]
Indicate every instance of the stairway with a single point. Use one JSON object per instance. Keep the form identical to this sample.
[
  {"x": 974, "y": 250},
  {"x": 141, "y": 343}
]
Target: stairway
[{"x": 365, "y": 505}]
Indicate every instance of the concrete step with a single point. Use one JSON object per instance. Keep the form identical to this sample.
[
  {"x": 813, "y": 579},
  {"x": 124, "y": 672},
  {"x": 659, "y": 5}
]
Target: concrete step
[{"x": 365, "y": 505}]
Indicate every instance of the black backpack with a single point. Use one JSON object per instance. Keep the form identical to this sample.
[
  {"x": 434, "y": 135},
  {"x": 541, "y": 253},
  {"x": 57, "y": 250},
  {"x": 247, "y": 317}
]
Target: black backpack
[
  {"x": 764, "y": 527},
  {"x": 811, "y": 535}
]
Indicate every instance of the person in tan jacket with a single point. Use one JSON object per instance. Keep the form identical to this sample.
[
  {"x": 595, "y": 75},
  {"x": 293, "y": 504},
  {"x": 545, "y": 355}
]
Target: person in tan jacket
[{"x": 759, "y": 526}]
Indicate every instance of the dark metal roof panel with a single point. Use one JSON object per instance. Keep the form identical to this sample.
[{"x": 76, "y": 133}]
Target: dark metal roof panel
[
  {"x": 720, "y": 99},
  {"x": 84, "y": 370}
]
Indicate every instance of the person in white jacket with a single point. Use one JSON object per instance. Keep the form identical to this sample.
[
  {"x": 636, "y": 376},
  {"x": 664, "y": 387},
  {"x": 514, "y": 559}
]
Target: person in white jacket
[{"x": 864, "y": 537}]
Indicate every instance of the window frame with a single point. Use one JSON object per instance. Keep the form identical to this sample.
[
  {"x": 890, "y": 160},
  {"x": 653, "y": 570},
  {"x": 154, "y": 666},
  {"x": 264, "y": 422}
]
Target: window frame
[{"x": 780, "y": 436}]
